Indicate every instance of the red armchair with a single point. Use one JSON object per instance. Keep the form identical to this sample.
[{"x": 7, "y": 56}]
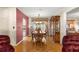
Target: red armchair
[
  {"x": 71, "y": 43},
  {"x": 5, "y": 44}
]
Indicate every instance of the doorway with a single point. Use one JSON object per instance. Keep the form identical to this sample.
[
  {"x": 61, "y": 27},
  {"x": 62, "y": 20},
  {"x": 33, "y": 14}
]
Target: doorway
[{"x": 24, "y": 27}]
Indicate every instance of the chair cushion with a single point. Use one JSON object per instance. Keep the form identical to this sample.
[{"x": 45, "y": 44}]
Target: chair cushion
[
  {"x": 70, "y": 43},
  {"x": 6, "y": 48},
  {"x": 4, "y": 39}
]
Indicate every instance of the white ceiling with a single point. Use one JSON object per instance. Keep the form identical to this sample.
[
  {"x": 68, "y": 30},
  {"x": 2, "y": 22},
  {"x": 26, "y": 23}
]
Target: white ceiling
[
  {"x": 43, "y": 11},
  {"x": 73, "y": 13}
]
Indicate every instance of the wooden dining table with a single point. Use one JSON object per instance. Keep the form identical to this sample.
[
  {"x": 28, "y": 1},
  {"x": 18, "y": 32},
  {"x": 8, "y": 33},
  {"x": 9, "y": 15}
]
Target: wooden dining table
[{"x": 38, "y": 36}]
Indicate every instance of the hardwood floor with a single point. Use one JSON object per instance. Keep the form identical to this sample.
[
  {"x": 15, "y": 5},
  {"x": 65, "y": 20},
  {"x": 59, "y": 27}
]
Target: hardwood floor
[{"x": 27, "y": 46}]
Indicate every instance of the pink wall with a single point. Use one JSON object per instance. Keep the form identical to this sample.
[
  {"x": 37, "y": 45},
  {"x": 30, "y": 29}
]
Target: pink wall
[{"x": 19, "y": 20}]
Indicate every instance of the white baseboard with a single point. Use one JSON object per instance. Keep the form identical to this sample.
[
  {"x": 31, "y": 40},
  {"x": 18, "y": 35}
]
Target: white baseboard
[{"x": 19, "y": 43}]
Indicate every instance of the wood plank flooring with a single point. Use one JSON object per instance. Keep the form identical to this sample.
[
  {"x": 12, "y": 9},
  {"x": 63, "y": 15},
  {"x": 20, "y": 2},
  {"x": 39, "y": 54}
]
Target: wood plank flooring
[{"x": 27, "y": 46}]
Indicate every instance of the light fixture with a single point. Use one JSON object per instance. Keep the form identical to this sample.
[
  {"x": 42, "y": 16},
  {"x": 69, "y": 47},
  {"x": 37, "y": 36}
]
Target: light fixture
[
  {"x": 36, "y": 22},
  {"x": 38, "y": 19}
]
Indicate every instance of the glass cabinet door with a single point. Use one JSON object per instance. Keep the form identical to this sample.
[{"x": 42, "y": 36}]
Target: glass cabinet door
[{"x": 55, "y": 27}]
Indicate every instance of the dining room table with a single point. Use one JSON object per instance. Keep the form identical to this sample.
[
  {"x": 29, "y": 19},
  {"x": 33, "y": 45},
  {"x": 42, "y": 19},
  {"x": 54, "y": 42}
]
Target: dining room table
[{"x": 38, "y": 36}]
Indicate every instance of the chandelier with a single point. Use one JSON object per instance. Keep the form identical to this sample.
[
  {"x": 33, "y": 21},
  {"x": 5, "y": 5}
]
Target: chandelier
[{"x": 38, "y": 19}]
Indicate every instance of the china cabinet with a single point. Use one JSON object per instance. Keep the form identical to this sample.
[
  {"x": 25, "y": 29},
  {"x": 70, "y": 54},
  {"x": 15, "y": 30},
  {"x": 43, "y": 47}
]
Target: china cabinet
[{"x": 55, "y": 25}]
